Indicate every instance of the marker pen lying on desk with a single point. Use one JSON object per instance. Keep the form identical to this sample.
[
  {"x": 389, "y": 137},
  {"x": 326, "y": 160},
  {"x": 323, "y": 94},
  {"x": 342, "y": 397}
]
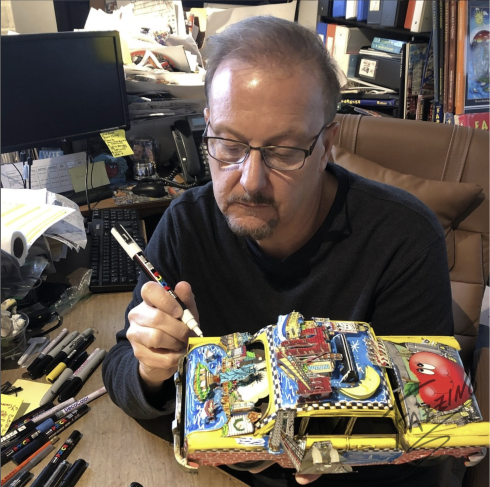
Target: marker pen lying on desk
[
  {"x": 83, "y": 345},
  {"x": 72, "y": 476},
  {"x": 61, "y": 469},
  {"x": 73, "y": 345},
  {"x": 77, "y": 371},
  {"x": 74, "y": 385},
  {"x": 136, "y": 254},
  {"x": 62, "y": 454},
  {"x": 38, "y": 456},
  {"x": 63, "y": 377},
  {"x": 38, "y": 371},
  {"x": 48, "y": 349},
  {"x": 22, "y": 479}
]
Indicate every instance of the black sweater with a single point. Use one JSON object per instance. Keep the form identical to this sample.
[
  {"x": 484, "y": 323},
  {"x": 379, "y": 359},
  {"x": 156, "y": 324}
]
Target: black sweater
[{"x": 379, "y": 257}]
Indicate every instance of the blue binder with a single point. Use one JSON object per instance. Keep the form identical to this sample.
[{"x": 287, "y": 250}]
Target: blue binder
[
  {"x": 338, "y": 8},
  {"x": 362, "y": 10},
  {"x": 393, "y": 13},
  {"x": 374, "y": 12}
]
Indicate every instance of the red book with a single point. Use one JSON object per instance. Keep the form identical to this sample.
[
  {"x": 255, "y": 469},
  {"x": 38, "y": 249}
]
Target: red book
[
  {"x": 474, "y": 120},
  {"x": 329, "y": 41},
  {"x": 409, "y": 14}
]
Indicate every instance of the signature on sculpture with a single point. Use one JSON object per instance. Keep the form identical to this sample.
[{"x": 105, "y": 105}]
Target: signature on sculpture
[{"x": 310, "y": 394}]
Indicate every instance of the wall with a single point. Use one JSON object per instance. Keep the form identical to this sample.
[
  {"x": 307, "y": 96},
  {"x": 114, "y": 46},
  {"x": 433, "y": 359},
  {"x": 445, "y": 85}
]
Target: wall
[{"x": 28, "y": 17}]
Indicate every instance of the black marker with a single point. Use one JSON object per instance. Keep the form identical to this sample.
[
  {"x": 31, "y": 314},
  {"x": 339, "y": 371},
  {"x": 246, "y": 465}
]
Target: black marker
[
  {"x": 73, "y": 474},
  {"x": 136, "y": 254}
]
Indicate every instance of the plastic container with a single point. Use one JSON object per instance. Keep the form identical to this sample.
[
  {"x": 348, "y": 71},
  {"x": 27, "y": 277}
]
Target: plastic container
[{"x": 14, "y": 346}]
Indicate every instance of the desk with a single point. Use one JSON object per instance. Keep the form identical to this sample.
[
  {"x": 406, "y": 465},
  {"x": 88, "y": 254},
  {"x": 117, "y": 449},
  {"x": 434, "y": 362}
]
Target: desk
[{"x": 119, "y": 451}]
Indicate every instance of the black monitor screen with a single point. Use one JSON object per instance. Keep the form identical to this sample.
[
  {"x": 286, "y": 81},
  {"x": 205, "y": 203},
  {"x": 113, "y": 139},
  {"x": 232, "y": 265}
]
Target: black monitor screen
[{"x": 60, "y": 86}]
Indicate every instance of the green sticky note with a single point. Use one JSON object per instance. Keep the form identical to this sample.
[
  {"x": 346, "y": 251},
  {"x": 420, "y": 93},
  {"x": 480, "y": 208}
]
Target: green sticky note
[{"x": 97, "y": 176}]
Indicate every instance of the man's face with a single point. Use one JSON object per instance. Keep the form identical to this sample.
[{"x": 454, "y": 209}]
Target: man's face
[
  {"x": 139, "y": 151},
  {"x": 267, "y": 107}
]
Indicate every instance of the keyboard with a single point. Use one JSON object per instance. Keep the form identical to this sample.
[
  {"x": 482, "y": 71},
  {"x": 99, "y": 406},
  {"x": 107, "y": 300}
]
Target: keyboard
[{"x": 112, "y": 269}]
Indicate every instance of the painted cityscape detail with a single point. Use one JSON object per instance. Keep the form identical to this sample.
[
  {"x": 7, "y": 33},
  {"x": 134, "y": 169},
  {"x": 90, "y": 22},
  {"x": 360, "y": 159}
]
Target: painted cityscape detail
[{"x": 324, "y": 396}]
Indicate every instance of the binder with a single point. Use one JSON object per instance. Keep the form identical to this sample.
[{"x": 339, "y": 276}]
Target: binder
[
  {"x": 393, "y": 13},
  {"x": 382, "y": 71},
  {"x": 325, "y": 8},
  {"x": 409, "y": 14},
  {"x": 422, "y": 16},
  {"x": 362, "y": 10},
  {"x": 338, "y": 8},
  {"x": 351, "y": 9},
  {"x": 374, "y": 12}
]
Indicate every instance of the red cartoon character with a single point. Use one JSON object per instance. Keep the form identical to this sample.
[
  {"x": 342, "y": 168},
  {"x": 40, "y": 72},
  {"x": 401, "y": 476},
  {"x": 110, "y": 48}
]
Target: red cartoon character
[{"x": 443, "y": 384}]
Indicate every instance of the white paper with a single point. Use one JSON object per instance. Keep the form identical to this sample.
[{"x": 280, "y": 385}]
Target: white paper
[
  {"x": 218, "y": 21},
  {"x": 51, "y": 174}
]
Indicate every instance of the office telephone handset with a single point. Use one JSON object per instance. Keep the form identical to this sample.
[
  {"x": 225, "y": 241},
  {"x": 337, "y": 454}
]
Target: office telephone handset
[{"x": 191, "y": 151}]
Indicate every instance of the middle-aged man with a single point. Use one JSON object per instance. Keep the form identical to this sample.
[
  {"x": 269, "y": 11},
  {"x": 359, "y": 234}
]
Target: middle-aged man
[{"x": 280, "y": 229}]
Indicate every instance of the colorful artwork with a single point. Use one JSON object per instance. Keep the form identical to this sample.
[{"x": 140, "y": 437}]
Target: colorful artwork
[
  {"x": 310, "y": 394},
  {"x": 477, "y": 64}
]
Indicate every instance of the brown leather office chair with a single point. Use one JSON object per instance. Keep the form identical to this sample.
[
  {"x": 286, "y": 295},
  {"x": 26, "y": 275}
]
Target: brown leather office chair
[{"x": 438, "y": 153}]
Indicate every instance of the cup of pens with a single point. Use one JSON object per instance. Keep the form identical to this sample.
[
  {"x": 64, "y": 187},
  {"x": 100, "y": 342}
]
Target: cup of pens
[{"x": 14, "y": 342}]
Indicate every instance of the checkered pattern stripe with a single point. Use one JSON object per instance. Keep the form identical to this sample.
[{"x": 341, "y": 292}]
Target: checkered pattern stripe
[
  {"x": 276, "y": 384},
  {"x": 347, "y": 405},
  {"x": 374, "y": 450}
]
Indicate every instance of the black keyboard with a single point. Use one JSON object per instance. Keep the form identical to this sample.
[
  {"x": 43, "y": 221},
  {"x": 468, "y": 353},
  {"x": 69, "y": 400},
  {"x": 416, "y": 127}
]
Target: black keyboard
[{"x": 112, "y": 269}]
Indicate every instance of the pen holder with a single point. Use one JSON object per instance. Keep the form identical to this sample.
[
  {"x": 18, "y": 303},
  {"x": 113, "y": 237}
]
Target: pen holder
[{"x": 13, "y": 346}]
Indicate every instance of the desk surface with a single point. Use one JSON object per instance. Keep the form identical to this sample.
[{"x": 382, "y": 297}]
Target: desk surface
[{"x": 119, "y": 451}]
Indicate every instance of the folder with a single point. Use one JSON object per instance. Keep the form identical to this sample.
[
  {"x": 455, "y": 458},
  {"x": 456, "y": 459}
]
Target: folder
[
  {"x": 351, "y": 9},
  {"x": 374, "y": 12},
  {"x": 338, "y": 8},
  {"x": 325, "y": 8},
  {"x": 393, "y": 13},
  {"x": 382, "y": 71},
  {"x": 362, "y": 10}
]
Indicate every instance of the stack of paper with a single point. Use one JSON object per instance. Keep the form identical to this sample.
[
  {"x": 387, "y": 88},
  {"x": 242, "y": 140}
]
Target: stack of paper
[{"x": 40, "y": 212}]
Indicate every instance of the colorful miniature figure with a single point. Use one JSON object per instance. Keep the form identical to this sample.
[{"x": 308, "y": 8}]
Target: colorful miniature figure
[{"x": 324, "y": 396}]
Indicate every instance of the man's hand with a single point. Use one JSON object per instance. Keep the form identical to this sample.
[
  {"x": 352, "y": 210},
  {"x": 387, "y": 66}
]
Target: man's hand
[
  {"x": 157, "y": 335},
  {"x": 301, "y": 479}
]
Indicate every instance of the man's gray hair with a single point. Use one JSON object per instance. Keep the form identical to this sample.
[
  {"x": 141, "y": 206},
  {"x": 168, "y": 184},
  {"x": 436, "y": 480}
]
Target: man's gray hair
[{"x": 275, "y": 43}]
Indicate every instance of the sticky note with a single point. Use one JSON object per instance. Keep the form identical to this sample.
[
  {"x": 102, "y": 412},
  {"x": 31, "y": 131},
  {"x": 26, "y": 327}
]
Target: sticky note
[
  {"x": 31, "y": 393},
  {"x": 117, "y": 143},
  {"x": 97, "y": 176},
  {"x": 10, "y": 406}
]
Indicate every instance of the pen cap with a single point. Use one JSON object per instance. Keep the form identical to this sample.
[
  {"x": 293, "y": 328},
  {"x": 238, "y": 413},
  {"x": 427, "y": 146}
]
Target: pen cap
[
  {"x": 74, "y": 473},
  {"x": 28, "y": 450},
  {"x": 21, "y": 480}
]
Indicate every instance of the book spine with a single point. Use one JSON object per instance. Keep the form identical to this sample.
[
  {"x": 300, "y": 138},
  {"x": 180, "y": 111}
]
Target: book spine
[
  {"x": 461, "y": 58},
  {"x": 440, "y": 54},
  {"x": 446, "y": 55},
  {"x": 370, "y": 103},
  {"x": 452, "y": 55},
  {"x": 439, "y": 116},
  {"x": 338, "y": 8},
  {"x": 435, "y": 44},
  {"x": 386, "y": 47},
  {"x": 478, "y": 121},
  {"x": 409, "y": 16}
]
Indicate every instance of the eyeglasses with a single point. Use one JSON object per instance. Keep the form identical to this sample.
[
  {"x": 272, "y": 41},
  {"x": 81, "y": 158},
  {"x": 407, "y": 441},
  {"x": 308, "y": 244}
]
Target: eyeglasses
[{"x": 282, "y": 158}]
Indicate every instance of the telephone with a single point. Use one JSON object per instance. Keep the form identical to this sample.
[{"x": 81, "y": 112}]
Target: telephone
[{"x": 191, "y": 151}]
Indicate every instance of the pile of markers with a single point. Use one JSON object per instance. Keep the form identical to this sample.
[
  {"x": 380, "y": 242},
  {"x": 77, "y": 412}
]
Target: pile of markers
[
  {"x": 66, "y": 364},
  {"x": 31, "y": 438}
]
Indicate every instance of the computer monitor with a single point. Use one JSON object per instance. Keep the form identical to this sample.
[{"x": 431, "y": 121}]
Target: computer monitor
[{"x": 60, "y": 87}]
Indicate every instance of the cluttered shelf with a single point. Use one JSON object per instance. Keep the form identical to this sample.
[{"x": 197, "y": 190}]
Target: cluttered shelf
[{"x": 105, "y": 427}]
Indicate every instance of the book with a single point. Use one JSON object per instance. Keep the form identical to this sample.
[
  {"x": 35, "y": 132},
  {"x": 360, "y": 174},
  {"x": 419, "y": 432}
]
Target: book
[
  {"x": 374, "y": 12},
  {"x": 370, "y": 113},
  {"x": 435, "y": 44},
  {"x": 427, "y": 87},
  {"x": 387, "y": 45},
  {"x": 441, "y": 51},
  {"x": 348, "y": 64},
  {"x": 422, "y": 16},
  {"x": 338, "y": 8},
  {"x": 446, "y": 55},
  {"x": 477, "y": 79},
  {"x": 351, "y": 9},
  {"x": 380, "y": 70},
  {"x": 349, "y": 40},
  {"x": 478, "y": 121},
  {"x": 451, "y": 77},
  {"x": 362, "y": 10},
  {"x": 439, "y": 114},
  {"x": 423, "y": 107},
  {"x": 416, "y": 53},
  {"x": 369, "y": 102},
  {"x": 409, "y": 14},
  {"x": 393, "y": 13}
]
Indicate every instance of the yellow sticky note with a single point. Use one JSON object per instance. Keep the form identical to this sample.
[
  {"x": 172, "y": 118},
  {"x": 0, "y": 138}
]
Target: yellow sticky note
[
  {"x": 117, "y": 143},
  {"x": 31, "y": 393},
  {"x": 10, "y": 406},
  {"x": 97, "y": 176}
]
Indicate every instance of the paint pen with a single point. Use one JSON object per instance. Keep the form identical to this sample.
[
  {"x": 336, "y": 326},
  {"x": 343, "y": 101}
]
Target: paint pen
[
  {"x": 48, "y": 349},
  {"x": 21, "y": 480},
  {"x": 74, "y": 473},
  {"x": 62, "y": 454},
  {"x": 61, "y": 469},
  {"x": 135, "y": 253}
]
